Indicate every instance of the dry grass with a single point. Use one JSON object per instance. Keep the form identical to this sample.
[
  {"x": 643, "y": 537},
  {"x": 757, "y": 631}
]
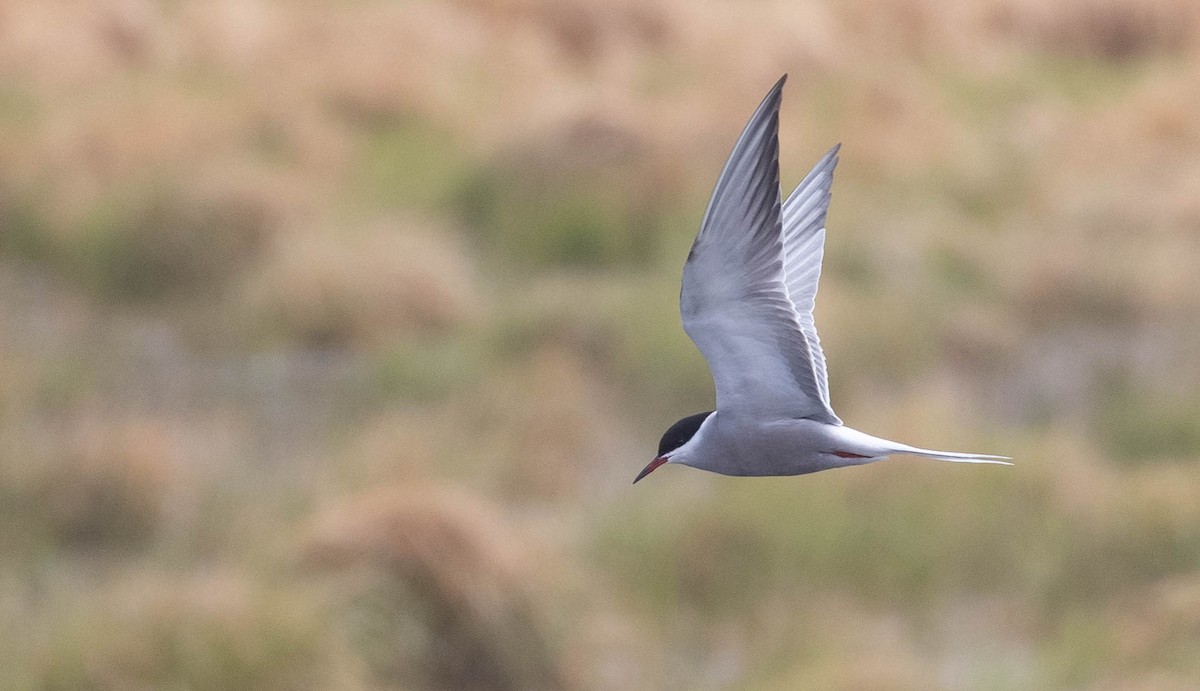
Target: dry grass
[
  {"x": 394, "y": 280},
  {"x": 96, "y": 490},
  {"x": 155, "y": 630},
  {"x": 447, "y": 602},
  {"x": 264, "y": 262}
]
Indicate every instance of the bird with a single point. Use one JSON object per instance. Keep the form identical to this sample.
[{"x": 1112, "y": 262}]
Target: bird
[{"x": 749, "y": 285}]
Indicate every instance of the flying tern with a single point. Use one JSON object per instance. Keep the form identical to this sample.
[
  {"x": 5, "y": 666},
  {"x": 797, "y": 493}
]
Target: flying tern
[{"x": 747, "y": 303}]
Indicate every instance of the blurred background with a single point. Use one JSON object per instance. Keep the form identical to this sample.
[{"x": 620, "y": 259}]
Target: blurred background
[{"x": 332, "y": 333}]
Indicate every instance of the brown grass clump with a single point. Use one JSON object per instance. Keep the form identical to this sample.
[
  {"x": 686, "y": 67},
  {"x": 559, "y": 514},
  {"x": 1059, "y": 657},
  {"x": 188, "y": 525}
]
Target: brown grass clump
[
  {"x": 585, "y": 190},
  {"x": 97, "y": 193},
  {"x": 540, "y": 433},
  {"x": 390, "y": 280},
  {"x": 158, "y": 631},
  {"x": 1165, "y": 624},
  {"x": 442, "y": 598},
  {"x": 1111, "y": 29},
  {"x": 107, "y": 488},
  {"x": 995, "y": 33}
]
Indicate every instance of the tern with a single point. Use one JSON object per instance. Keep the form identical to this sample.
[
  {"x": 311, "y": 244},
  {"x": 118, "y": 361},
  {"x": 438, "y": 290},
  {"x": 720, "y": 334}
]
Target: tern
[{"x": 747, "y": 303}]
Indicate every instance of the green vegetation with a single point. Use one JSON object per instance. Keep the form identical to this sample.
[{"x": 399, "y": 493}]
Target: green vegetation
[{"x": 332, "y": 334}]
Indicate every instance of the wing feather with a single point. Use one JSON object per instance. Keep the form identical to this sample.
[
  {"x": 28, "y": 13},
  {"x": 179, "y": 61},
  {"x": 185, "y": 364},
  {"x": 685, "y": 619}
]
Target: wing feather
[
  {"x": 803, "y": 221},
  {"x": 735, "y": 301}
]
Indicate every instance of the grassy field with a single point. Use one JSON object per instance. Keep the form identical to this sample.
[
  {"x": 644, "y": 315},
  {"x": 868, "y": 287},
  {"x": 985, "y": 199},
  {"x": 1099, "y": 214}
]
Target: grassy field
[{"x": 332, "y": 334}]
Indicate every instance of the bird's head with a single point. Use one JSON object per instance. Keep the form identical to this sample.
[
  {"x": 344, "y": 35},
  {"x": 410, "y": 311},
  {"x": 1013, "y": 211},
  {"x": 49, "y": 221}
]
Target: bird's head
[{"x": 670, "y": 447}]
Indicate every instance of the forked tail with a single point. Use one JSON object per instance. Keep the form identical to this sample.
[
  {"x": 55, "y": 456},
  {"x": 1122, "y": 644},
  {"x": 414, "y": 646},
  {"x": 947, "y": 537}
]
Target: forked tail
[
  {"x": 857, "y": 444},
  {"x": 953, "y": 456}
]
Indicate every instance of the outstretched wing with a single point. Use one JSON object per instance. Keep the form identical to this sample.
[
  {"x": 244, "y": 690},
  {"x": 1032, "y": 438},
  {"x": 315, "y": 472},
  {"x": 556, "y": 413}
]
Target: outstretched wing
[
  {"x": 803, "y": 221},
  {"x": 735, "y": 301}
]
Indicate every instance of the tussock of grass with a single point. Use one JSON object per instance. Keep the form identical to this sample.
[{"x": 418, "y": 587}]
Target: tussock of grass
[
  {"x": 217, "y": 631},
  {"x": 445, "y": 601},
  {"x": 601, "y": 205},
  {"x": 97, "y": 490},
  {"x": 392, "y": 280},
  {"x": 147, "y": 244}
]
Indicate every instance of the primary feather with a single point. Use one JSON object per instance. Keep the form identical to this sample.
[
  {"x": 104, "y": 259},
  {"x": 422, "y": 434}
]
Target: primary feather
[{"x": 735, "y": 302}]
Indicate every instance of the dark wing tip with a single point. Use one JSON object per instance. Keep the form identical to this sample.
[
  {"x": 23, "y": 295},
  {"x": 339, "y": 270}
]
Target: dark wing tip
[
  {"x": 755, "y": 155},
  {"x": 775, "y": 91},
  {"x": 831, "y": 157}
]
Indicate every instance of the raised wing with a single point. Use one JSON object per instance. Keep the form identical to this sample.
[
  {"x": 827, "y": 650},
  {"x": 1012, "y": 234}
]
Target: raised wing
[
  {"x": 803, "y": 219},
  {"x": 735, "y": 302}
]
